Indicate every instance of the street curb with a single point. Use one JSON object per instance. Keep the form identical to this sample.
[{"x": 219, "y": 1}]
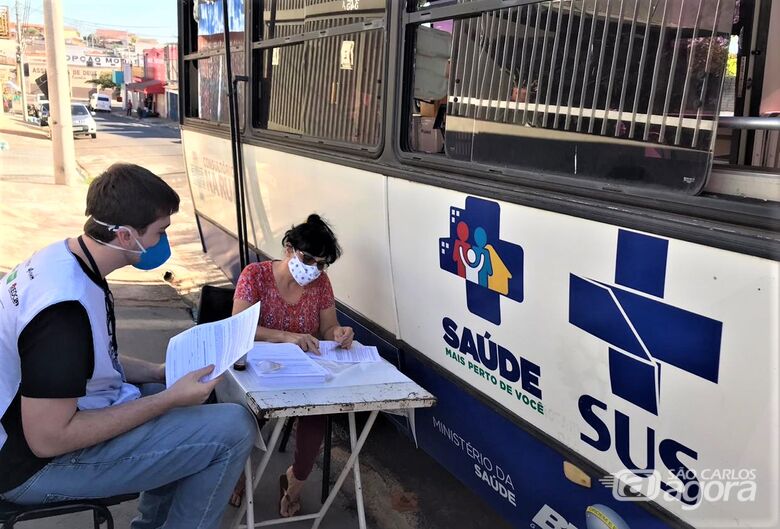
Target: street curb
[
  {"x": 174, "y": 125},
  {"x": 86, "y": 176}
]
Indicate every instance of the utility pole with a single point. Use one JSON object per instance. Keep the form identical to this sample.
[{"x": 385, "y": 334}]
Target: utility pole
[
  {"x": 60, "y": 121},
  {"x": 20, "y": 61}
]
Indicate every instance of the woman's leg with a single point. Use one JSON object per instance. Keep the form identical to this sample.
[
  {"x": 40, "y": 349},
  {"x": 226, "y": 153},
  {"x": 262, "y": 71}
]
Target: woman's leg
[{"x": 309, "y": 432}]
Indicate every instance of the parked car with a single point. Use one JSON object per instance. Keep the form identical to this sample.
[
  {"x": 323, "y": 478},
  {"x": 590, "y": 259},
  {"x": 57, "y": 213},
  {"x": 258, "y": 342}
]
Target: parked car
[
  {"x": 99, "y": 103},
  {"x": 83, "y": 123}
]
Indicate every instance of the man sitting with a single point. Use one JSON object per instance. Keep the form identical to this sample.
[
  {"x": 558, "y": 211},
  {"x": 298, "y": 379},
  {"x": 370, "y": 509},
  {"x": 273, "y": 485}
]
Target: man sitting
[{"x": 75, "y": 424}]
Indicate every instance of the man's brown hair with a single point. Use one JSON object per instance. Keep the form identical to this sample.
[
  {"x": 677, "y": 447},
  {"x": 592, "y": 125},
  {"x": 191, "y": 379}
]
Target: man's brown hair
[{"x": 127, "y": 195}]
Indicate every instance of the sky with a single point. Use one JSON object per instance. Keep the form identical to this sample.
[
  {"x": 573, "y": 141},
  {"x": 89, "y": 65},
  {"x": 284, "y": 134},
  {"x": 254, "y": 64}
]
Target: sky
[{"x": 145, "y": 18}]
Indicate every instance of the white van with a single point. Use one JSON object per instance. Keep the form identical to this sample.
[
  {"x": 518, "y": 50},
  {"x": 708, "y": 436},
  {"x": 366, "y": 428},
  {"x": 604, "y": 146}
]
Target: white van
[{"x": 99, "y": 102}]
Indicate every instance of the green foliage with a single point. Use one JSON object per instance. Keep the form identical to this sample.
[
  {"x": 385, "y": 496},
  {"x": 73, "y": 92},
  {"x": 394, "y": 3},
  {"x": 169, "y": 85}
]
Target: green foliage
[
  {"x": 104, "y": 81},
  {"x": 731, "y": 66}
]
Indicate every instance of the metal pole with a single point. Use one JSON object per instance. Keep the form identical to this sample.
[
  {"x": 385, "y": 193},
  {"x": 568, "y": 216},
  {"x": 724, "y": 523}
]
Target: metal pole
[
  {"x": 750, "y": 122},
  {"x": 235, "y": 140},
  {"x": 20, "y": 62},
  {"x": 60, "y": 122}
]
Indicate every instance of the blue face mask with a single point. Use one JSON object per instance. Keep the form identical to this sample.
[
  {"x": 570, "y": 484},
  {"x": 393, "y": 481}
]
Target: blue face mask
[
  {"x": 151, "y": 257},
  {"x": 156, "y": 255}
]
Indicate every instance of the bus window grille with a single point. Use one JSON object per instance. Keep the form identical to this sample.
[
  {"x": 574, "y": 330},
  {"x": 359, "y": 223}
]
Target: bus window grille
[
  {"x": 522, "y": 88},
  {"x": 562, "y": 76},
  {"x": 529, "y": 83},
  {"x": 672, "y": 69},
  {"x": 707, "y": 74},
  {"x": 553, "y": 61},
  {"x": 543, "y": 56},
  {"x": 613, "y": 69},
  {"x": 628, "y": 67},
  {"x": 510, "y": 86},
  {"x": 642, "y": 70}
]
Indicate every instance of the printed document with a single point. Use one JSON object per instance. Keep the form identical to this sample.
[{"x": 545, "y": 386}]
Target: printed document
[
  {"x": 220, "y": 343},
  {"x": 357, "y": 353},
  {"x": 284, "y": 365}
]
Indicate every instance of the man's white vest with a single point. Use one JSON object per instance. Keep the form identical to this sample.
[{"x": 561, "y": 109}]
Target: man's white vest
[{"x": 52, "y": 275}]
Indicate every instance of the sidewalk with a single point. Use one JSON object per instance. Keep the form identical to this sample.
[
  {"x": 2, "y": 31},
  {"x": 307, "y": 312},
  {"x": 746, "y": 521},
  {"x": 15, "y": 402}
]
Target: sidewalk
[{"x": 34, "y": 212}]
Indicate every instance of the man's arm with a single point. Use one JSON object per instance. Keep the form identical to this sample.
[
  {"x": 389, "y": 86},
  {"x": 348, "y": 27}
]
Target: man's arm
[
  {"x": 140, "y": 371},
  {"x": 56, "y": 355},
  {"x": 53, "y": 427}
]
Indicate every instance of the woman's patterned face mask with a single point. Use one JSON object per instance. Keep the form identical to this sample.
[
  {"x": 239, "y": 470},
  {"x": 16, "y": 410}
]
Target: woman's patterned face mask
[{"x": 302, "y": 273}]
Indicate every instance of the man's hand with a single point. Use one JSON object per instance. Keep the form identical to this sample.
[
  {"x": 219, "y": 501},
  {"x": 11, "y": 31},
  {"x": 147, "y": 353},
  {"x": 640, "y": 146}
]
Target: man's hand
[
  {"x": 161, "y": 373},
  {"x": 344, "y": 336},
  {"x": 307, "y": 342},
  {"x": 189, "y": 390}
]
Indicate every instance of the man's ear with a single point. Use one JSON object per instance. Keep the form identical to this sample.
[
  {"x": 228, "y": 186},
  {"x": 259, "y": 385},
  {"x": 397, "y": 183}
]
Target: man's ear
[{"x": 123, "y": 236}]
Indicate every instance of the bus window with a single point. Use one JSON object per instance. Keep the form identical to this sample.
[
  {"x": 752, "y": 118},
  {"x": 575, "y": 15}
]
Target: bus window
[
  {"x": 626, "y": 92},
  {"x": 206, "y": 94},
  {"x": 327, "y": 84},
  {"x": 210, "y": 23},
  {"x": 284, "y": 18},
  {"x": 210, "y": 88}
]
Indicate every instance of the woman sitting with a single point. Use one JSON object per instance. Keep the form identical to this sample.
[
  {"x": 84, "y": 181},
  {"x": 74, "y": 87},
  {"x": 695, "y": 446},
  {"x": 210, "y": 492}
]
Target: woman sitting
[{"x": 297, "y": 306}]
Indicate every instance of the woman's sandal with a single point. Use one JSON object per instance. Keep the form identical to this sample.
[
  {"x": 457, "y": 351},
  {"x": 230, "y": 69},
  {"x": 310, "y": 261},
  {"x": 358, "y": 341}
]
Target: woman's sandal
[
  {"x": 292, "y": 506},
  {"x": 237, "y": 496}
]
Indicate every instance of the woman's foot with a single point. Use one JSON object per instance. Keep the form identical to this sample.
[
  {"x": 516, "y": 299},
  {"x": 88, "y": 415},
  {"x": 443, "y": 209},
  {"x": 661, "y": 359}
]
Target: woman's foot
[
  {"x": 289, "y": 494},
  {"x": 238, "y": 492}
]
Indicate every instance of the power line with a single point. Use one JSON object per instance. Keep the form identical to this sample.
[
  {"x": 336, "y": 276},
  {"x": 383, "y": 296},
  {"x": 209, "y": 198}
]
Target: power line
[{"x": 91, "y": 23}]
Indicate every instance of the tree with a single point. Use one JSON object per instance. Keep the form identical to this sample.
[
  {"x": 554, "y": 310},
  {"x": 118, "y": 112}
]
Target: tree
[{"x": 104, "y": 81}]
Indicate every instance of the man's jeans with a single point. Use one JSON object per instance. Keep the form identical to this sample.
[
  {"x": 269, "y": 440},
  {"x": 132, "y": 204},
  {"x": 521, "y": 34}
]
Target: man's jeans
[{"x": 187, "y": 462}]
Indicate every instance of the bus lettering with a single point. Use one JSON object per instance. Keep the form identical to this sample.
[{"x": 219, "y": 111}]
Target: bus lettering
[
  {"x": 669, "y": 450},
  {"x": 488, "y": 356}
]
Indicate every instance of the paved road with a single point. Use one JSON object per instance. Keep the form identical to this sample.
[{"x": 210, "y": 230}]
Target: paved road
[
  {"x": 147, "y": 143},
  {"x": 156, "y": 145}
]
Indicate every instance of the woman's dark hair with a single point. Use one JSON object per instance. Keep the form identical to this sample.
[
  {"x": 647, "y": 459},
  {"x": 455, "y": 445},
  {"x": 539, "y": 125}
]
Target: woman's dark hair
[
  {"x": 128, "y": 195},
  {"x": 315, "y": 238}
]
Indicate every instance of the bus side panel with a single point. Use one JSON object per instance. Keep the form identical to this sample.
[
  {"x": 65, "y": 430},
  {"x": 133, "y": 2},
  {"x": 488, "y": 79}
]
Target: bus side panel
[
  {"x": 283, "y": 189},
  {"x": 653, "y": 358},
  {"x": 518, "y": 475},
  {"x": 210, "y": 171}
]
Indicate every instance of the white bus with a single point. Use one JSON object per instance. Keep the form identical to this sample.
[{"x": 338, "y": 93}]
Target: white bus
[{"x": 559, "y": 217}]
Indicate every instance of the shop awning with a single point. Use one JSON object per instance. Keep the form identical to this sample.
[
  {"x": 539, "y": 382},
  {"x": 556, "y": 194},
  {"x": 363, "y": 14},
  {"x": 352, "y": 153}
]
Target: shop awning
[{"x": 152, "y": 86}]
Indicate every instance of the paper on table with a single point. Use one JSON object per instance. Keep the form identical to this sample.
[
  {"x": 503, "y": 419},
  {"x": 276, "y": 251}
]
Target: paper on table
[
  {"x": 220, "y": 343},
  {"x": 357, "y": 353},
  {"x": 279, "y": 363}
]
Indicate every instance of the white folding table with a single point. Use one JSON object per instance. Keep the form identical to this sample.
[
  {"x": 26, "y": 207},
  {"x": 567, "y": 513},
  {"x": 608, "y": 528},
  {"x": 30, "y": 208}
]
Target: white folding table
[{"x": 244, "y": 388}]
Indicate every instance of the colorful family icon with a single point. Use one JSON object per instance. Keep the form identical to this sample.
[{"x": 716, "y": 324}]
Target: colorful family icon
[
  {"x": 479, "y": 262},
  {"x": 489, "y": 266}
]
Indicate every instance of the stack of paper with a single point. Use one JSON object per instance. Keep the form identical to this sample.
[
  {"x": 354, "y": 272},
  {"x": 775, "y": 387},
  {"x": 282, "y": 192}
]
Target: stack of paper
[
  {"x": 284, "y": 365},
  {"x": 355, "y": 354},
  {"x": 220, "y": 343}
]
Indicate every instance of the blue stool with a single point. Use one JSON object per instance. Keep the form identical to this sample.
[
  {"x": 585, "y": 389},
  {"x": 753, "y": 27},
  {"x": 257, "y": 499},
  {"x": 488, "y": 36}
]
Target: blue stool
[{"x": 11, "y": 513}]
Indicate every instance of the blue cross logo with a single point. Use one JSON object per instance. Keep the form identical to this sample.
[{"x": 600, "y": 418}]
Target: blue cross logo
[
  {"x": 640, "y": 329},
  {"x": 490, "y": 266}
]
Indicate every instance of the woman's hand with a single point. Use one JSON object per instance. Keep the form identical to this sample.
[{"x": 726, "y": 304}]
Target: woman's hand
[
  {"x": 307, "y": 342},
  {"x": 344, "y": 336}
]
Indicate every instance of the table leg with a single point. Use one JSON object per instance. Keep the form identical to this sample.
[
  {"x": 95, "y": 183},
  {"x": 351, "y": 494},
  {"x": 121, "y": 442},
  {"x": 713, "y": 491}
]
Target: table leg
[
  {"x": 258, "y": 474},
  {"x": 356, "y": 471},
  {"x": 249, "y": 494},
  {"x": 343, "y": 475}
]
